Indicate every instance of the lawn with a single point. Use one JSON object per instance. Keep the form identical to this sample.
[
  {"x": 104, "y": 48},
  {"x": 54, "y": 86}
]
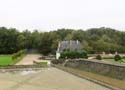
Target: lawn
[
  {"x": 7, "y": 60},
  {"x": 43, "y": 63},
  {"x": 112, "y": 60}
]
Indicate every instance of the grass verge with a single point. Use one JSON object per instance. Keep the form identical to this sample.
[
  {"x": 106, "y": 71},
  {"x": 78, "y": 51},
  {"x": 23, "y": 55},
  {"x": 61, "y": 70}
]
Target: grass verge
[
  {"x": 7, "y": 60},
  {"x": 112, "y": 60},
  {"x": 119, "y": 84},
  {"x": 17, "y": 59},
  {"x": 42, "y": 63}
]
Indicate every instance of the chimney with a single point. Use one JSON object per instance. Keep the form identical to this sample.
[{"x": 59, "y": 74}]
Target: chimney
[
  {"x": 77, "y": 42},
  {"x": 58, "y": 46}
]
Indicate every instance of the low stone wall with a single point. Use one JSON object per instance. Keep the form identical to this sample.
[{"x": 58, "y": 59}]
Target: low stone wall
[
  {"x": 22, "y": 66},
  {"x": 100, "y": 67}
]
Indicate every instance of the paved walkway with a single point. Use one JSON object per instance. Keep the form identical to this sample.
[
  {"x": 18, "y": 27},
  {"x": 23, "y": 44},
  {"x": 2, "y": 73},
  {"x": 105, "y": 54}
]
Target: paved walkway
[
  {"x": 28, "y": 59},
  {"x": 45, "y": 79}
]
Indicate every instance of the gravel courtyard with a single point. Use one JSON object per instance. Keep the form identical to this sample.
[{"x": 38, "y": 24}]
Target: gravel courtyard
[
  {"x": 28, "y": 59},
  {"x": 45, "y": 79}
]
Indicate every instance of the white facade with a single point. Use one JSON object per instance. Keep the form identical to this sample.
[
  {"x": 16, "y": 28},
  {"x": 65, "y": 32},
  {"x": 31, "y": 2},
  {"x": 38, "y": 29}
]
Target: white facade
[{"x": 57, "y": 55}]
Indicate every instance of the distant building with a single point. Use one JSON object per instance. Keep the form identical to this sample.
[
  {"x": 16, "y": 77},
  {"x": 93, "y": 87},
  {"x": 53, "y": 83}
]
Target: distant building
[{"x": 68, "y": 45}]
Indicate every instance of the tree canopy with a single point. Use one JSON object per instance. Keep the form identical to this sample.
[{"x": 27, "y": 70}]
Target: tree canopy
[{"x": 94, "y": 40}]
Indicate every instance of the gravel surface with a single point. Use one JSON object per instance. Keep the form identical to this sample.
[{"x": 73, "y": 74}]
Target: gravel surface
[
  {"x": 45, "y": 79},
  {"x": 28, "y": 59}
]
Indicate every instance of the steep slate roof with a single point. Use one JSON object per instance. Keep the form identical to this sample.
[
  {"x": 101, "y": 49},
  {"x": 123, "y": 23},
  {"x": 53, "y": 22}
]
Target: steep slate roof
[{"x": 69, "y": 45}]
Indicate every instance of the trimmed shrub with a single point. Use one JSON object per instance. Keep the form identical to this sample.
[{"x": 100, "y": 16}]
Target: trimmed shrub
[
  {"x": 98, "y": 57},
  {"x": 18, "y": 54},
  {"x": 73, "y": 55},
  {"x": 117, "y": 58}
]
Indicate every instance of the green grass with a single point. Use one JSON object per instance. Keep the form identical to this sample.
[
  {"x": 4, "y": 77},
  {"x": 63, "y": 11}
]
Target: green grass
[
  {"x": 17, "y": 59},
  {"x": 112, "y": 60},
  {"x": 43, "y": 63},
  {"x": 7, "y": 60}
]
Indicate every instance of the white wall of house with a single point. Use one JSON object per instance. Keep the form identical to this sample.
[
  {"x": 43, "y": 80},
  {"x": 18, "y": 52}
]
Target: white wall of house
[{"x": 57, "y": 55}]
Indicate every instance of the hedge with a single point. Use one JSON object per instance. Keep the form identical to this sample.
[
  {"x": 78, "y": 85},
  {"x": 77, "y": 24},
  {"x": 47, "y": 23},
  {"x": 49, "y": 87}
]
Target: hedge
[
  {"x": 18, "y": 54},
  {"x": 73, "y": 55}
]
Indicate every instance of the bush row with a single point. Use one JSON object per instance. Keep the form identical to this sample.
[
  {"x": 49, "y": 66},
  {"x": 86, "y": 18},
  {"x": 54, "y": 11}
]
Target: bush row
[
  {"x": 116, "y": 57},
  {"x": 73, "y": 55},
  {"x": 18, "y": 54}
]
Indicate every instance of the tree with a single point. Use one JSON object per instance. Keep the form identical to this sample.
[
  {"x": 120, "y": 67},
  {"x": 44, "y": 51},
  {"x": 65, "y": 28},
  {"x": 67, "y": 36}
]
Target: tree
[
  {"x": 87, "y": 47},
  {"x": 94, "y": 40},
  {"x": 45, "y": 44},
  {"x": 8, "y": 40},
  {"x": 28, "y": 39},
  {"x": 21, "y": 41},
  {"x": 78, "y": 35},
  {"x": 35, "y": 35}
]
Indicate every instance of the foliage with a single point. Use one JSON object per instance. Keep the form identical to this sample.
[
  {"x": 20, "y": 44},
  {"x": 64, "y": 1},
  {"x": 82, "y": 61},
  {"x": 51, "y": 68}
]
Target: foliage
[
  {"x": 117, "y": 58},
  {"x": 94, "y": 40},
  {"x": 8, "y": 40},
  {"x": 73, "y": 54},
  {"x": 45, "y": 44},
  {"x": 98, "y": 57},
  {"x": 18, "y": 54}
]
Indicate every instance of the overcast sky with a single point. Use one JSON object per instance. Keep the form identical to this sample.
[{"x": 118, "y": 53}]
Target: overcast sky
[{"x": 53, "y": 14}]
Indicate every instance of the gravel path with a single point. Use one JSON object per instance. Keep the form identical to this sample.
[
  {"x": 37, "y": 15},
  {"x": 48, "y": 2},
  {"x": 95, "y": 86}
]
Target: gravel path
[
  {"x": 45, "y": 79},
  {"x": 28, "y": 59}
]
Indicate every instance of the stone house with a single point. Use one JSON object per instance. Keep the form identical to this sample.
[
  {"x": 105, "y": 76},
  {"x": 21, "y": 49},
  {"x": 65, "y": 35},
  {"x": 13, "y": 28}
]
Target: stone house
[{"x": 68, "y": 45}]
